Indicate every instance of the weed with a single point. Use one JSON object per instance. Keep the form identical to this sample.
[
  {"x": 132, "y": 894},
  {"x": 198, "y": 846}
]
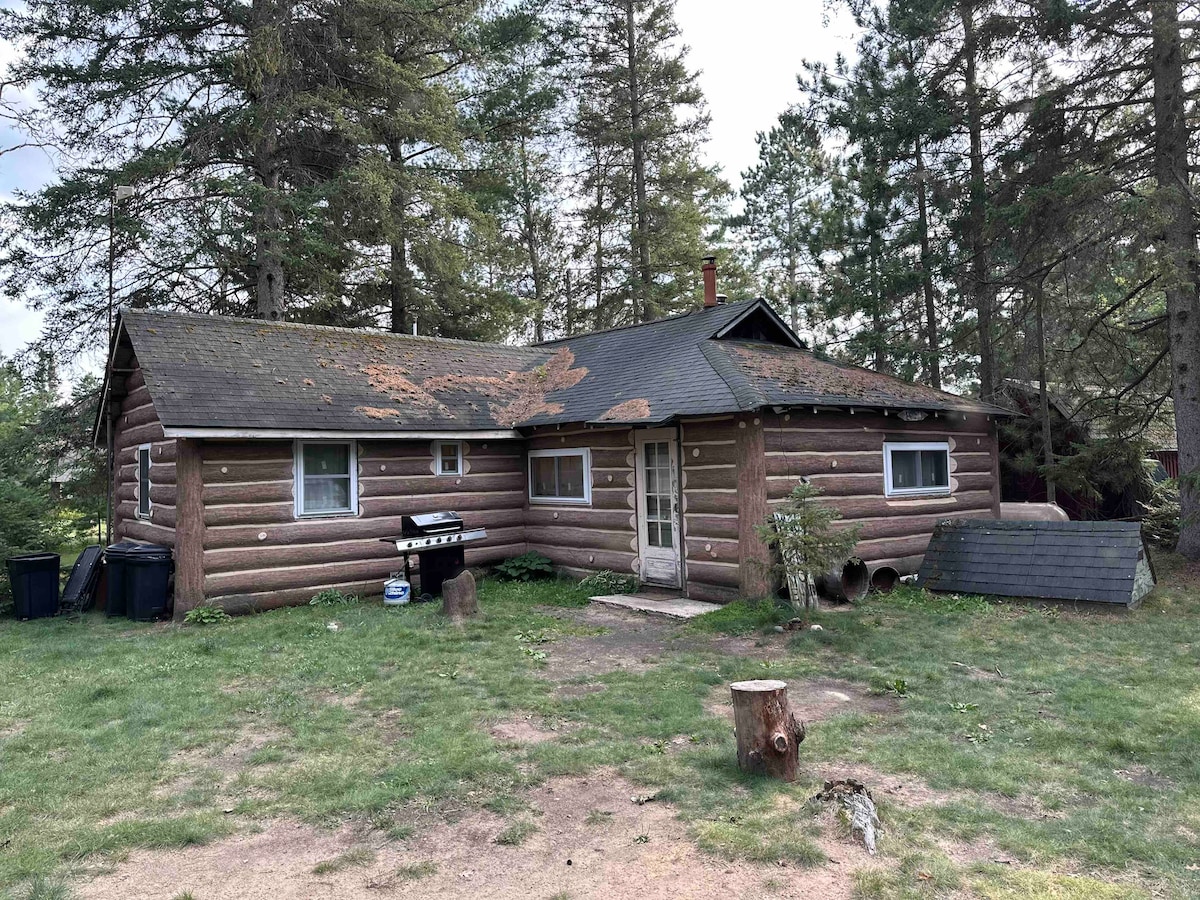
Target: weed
[
  {"x": 206, "y": 614},
  {"x": 598, "y": 817},
  {"x": 333, "y": 597},
  {"x": 608, "y": 582},
  {"x": 642, "y": 839},
  {"x": 516, "y": 833},
  {"x": 359, "y": 856},
  {"x": 526, "y": 567}
]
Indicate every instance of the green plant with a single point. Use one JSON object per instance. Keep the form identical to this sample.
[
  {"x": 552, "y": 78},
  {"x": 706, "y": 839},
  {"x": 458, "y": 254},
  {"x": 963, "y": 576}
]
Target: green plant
[
  {"x": 359, "y": 856},
  {"x": 1161, "y": 521},
  {"x": 206, "y": 614},
  {"x": 333, "y": 597},
  {"x": 526, "y": 567},
  {"x": 608, "y": 582},
  {"x": 802, "y": 533},
  {"x": 516, "y": 833}
]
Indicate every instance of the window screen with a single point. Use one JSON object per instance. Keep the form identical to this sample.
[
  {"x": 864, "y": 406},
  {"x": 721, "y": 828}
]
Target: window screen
[
  {"x": 327, "y": 478},
  {"x": 559, "y": 476},
  {"x": 918, "y": 468}
]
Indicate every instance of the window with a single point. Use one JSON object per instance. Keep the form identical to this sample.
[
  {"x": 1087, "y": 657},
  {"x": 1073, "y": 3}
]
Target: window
[
  {"x": 326, "y": 478},
  {"x": 449, "y": 457},
  {"x": 560, "y": 476},
  {"x": 143, "y": 480},
  {"x": 916, "y": 469}
]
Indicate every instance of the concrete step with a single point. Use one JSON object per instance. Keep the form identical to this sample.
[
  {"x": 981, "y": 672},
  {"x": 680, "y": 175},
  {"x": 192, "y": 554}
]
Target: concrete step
[{"x": 676, "y": 607}]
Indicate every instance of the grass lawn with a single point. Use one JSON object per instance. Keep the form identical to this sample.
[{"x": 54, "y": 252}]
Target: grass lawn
[{"x": 1060, "y": 748}]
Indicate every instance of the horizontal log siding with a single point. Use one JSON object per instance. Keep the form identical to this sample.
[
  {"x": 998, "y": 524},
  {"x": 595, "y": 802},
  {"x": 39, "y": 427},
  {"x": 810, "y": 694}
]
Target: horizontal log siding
[
  {"x": 258, "y": 555},
  {"x": 138, "y": 424},
  {"x": 583, "y": 539},
  {"x": 709, "y": 502},
  {"x": 843, "y": 455}
]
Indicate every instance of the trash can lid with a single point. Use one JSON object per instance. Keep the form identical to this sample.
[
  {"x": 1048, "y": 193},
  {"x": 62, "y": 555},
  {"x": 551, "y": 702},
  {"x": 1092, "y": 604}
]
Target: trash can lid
[
  {"x": 44, "y": 556},
  {"x": 137, "y": 550}
]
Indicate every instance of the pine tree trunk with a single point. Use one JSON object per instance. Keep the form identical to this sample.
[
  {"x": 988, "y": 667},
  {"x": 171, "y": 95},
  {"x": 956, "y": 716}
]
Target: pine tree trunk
[
  {"x": 642, "y": 301},
  {"x": 976, "y": 218},
  {"x": 1177, "y": 245},
  {"x": 793, "y": 293},
  {"x": 1039, "y": 301},
  {"x": 934, "y": 365},
  {"x": 529, "y": 216},
  {"x": 399, "y": 277},
  {"x": 267, "y": 219}
]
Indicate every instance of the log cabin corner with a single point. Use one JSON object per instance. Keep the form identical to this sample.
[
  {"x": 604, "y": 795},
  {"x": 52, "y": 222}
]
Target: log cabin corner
[{"x": 273, "y": 457}]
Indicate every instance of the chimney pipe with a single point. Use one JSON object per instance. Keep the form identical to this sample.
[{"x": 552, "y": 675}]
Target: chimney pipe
[{"x": 709, "y": 269}]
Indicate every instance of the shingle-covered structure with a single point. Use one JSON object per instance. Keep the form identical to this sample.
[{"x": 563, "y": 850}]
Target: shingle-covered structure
[
  {"x": 274, "y": 456},
  {"x": 1100, "y": 562}
]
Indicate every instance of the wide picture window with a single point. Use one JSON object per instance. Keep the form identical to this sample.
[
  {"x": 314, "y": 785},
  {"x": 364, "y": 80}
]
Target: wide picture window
[
  {"x": 915, "y": 469},
  {"x": 559, "y": 476},
  {"x": 326, "y": 479}
]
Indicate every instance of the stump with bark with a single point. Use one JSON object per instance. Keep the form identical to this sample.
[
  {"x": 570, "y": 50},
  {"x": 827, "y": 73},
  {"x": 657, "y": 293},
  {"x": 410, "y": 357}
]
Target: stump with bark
[
  {"x": 459, "y": 599},
  {"x": 768, "y": 733}
]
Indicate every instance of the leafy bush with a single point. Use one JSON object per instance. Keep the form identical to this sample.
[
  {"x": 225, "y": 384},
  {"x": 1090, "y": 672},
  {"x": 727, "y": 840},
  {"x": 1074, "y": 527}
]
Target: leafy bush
[
  {"x": 608, "y": 582},
  {"x": 526, "y": 567},
  {"x": 206, "y": 615},
  {"x": 1161, "y": 521},
  {"x": 333, "y": 597}
]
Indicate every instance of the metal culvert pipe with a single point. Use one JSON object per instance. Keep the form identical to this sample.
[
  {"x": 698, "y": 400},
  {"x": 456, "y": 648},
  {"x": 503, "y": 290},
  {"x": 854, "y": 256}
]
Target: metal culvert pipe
[
  {"x": 884, "y": 580},
  {"x": 847, "y": 586}
]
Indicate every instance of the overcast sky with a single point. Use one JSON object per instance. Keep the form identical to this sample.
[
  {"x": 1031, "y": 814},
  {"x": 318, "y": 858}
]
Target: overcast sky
[{"x": 748, "y": 55}]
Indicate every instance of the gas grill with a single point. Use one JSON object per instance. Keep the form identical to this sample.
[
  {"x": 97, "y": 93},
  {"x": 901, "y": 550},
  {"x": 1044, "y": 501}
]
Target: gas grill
[{"x": 437, "y": 538}]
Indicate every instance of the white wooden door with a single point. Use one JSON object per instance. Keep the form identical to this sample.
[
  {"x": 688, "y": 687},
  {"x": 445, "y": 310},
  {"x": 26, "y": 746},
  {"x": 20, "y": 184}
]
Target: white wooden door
[{"x": 658, "y": 506}]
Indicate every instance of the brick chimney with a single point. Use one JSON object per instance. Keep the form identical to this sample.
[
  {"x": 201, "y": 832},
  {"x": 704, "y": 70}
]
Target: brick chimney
[{"x": 709, "y": 269}]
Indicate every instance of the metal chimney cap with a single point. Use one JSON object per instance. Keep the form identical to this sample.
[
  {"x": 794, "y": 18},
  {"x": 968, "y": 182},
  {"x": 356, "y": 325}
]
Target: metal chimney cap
[
  {"x": 722, "y": 298},
  {"x": 710, "y": 260}
]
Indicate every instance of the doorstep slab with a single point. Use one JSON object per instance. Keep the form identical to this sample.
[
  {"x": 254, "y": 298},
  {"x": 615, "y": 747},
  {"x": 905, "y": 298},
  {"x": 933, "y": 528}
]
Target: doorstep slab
[{"x": 676, "y": 607}]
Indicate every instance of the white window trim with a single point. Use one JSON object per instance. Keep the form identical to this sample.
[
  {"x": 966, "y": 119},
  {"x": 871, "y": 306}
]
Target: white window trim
[
  {"x": 585, "y": 500},
  {"x": 298, "y": 480},
  {"x": 137, "y": 477},
  {"x": 437, "y": 458},
  {"x": 890, "y": 491}
]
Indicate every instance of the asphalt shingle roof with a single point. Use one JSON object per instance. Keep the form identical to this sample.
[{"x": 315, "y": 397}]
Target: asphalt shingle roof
[
  {"x": 220, "y": 372},
  {"x": 1094, "y": 561}
]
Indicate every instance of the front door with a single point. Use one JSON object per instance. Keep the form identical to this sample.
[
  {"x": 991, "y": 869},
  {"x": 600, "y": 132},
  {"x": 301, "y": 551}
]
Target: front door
[{"x": 658, "y": 506}]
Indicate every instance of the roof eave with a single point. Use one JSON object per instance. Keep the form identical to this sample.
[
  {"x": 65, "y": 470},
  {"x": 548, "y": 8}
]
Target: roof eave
[{"x": 276, "y": 434}]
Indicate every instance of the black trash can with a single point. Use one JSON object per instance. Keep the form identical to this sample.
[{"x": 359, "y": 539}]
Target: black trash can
[
  {"x": 34, "y": 580},
  {"x": 139, "y": 577}
]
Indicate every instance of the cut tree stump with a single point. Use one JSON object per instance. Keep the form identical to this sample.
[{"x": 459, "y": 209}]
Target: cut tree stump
[
  {"x": 768, "y": 733},
  {"x": 459, "y": 599}
]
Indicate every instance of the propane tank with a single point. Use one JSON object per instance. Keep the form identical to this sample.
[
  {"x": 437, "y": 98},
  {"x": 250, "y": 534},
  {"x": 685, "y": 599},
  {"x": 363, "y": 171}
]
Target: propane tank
[{"x": 396, "y": 591}]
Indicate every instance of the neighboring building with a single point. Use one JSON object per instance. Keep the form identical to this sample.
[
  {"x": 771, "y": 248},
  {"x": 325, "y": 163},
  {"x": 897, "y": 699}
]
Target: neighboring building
[{"x": 274, "y": 457}]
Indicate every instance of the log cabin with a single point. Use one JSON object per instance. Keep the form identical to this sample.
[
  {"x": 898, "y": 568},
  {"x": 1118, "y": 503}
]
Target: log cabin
[{"x": 273, "y": 458}]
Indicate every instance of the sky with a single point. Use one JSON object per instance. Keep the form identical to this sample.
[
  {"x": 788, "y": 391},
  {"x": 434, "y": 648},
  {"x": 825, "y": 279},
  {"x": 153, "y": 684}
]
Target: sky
[{"x": 748, "y": 56}]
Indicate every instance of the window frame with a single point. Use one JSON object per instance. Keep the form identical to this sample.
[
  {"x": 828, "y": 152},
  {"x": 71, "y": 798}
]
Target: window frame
[
  {"x": 437, "y": 458},
  {"x": 143, "y": 491},
  {"x": 890, "y": 446},
  {"x": 584, "y": 452},
  {"x": 298, "y": 479}
]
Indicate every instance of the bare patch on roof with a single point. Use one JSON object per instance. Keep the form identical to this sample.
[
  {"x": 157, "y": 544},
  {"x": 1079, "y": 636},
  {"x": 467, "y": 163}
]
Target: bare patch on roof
[
  {"x": 375, "y": 412},
  {"x": 638, "y": 408},
  {"x": 531, "y": 387}
]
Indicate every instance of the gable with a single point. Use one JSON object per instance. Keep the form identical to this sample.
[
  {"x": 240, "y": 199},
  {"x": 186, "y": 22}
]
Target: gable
[{"x": 760, "y": 324}]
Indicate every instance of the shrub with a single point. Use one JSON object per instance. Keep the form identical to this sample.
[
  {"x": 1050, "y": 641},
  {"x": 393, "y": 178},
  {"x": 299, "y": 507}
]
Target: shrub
[
  {"x": 526, "y": 567},
  {"x": 607, "y": 582},
  {"x": 206, "y": 615},
  {"x": 1161, "y": 521},
  {"x": 333, "y": 597}
]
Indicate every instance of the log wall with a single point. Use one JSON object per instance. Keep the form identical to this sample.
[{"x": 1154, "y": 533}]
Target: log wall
[
  {"x": 710, "y": 508},
  {"x": 843, "y": 455},
  {"x": 259, "y": 555},
  {"x": 583, "y": 539},
  {"x": 138, "y": 424}
]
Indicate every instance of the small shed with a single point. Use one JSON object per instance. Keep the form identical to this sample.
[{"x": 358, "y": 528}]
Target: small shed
[{"x": 1098, "y": 562}]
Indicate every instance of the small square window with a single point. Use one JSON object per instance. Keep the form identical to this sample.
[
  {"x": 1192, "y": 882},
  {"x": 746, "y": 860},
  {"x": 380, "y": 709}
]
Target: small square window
[
  {"x": 916, "y": 468},
  {"x": 449, "y": 457}
]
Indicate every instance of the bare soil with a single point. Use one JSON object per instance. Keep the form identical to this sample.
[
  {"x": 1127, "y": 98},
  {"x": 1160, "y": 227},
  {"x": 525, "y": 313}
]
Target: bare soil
[
  {"x": 591, "y": 841},
  {"x": 816, "y": 699}
]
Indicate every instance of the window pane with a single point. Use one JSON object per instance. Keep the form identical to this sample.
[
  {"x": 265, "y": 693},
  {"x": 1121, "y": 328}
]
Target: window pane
[
  {"x": 326, "y": 459},
  {"x": 651, "y": 506},
  {"x": 543, "y": 469},
  {"x": 667, "y": 538},
  {"x": 144, "y": 481},
  {"x": 904, "y": 469},
  {"x": 449, "y": 459},
  {"x": 651, "y": 481},
  {"x": 570, "y": 476},
  {"x": 328, "y": 494},
  {"x": 934, "y": 469}
]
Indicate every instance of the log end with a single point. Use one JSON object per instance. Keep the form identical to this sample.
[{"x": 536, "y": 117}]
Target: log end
[{"x": 758, "y": 685}]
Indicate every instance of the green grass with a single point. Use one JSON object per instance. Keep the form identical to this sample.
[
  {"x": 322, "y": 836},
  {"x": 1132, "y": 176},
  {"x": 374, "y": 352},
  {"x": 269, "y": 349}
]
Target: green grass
[
  {"x": 1065, "y": 741},
  {"x": 359, "y": 856}
]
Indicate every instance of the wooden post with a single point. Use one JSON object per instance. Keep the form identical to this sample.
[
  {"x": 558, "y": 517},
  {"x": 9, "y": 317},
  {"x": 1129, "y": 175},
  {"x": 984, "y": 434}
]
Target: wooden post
[
  {"x": 189, "y": 527},
  {"x": 752, "y": 508},
  {"x": 768, "y": 733}
]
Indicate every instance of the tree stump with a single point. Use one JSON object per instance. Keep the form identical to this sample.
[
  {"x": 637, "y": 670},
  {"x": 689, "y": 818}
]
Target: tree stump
[
  {"x": 459, "y": 600},
  {"x": 768, "y": 733}
]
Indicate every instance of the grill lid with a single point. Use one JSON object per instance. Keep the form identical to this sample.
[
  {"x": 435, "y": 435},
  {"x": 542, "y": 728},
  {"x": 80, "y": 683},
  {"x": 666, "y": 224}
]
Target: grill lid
[{"x": 442, "y": 522}]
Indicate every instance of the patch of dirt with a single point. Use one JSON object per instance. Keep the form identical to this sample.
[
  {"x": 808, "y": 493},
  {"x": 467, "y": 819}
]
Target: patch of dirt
[
  {"x": 815, "y": 700},
  {"x": 634, "y": 642},
  {"x": 526, "y": 730},
  {"x": 235, "y": 756},
  {"x": 1144, "y": 776},
  {"x": 591, "y": 841}
]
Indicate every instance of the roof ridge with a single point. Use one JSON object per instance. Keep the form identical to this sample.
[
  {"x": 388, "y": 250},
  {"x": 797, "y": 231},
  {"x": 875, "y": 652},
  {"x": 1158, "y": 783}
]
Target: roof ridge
[
  {"x": 632, "y": 325},
  {"x": 340, "y": 329}
]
